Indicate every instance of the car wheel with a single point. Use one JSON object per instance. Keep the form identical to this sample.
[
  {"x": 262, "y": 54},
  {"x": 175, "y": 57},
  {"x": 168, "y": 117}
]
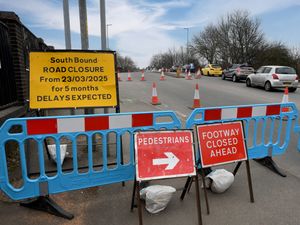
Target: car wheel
[
  {"x": 234, "y": 78},
  {"x": 208, "y": 74},
  {"x": 268, "y": 86},
  {"x": 248, "y": 83},
  {"x": 292, "y": 89},
  {"x": 223, "y": 76}
]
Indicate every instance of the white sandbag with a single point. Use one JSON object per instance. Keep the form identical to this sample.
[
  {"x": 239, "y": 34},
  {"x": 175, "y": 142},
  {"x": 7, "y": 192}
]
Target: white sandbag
[
  {"x": 221, "y": 180},
  {"x": 52, "y": 152},
  {"x": 157, "y": 197}
]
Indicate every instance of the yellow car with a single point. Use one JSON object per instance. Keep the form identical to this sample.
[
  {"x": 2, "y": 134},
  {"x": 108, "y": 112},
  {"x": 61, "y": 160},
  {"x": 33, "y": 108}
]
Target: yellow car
[{"x": 212, "y": 69}]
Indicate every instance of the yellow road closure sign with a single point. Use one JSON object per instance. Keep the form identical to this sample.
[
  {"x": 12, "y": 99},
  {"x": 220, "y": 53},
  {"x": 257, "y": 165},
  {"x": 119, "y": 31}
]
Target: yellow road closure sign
[{"x": 69, "y": 79}]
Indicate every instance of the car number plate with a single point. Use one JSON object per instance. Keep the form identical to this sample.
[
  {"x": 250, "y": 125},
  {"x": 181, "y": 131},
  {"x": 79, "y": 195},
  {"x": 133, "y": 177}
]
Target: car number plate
[{"x": 286, "y": 82}]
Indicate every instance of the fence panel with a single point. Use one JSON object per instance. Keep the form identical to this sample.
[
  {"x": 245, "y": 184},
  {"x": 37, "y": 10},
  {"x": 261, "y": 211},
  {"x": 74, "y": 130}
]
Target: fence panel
[
  {"x": 267, "y": 126},
  {"x": 59, "y": 128}
]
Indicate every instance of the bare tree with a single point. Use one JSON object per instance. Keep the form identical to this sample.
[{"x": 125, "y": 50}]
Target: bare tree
[
  {"x": 206, "y": 44},
  {"x": 239, "y": 37},
  {"x": 125, "y": 63}
]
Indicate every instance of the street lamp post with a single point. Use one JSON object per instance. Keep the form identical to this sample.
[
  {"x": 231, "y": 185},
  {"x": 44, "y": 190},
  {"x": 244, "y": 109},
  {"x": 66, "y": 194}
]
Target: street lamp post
[
  {"x": 107, "y": 25},
  {"x": 187, "y": 43}
]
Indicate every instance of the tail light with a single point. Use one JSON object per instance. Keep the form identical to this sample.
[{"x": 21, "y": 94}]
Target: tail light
[
  {"x": 238, "y": 70},
  {"x": 297, "y": 77},
  {"x": 275, "y": 76}
]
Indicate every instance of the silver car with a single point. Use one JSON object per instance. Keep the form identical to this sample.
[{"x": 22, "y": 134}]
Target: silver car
[{"x": 274, "y": 77}]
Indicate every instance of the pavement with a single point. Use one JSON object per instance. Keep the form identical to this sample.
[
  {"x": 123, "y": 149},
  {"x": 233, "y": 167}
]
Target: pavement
[{"x": 276, "y": 203}]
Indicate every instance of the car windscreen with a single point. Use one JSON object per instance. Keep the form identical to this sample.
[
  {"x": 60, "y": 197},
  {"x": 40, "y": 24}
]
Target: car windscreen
[
  {"x": 215, "y": 66},
  {"x": 285, "y": 70},
  {"x": 245, "y": 65}
]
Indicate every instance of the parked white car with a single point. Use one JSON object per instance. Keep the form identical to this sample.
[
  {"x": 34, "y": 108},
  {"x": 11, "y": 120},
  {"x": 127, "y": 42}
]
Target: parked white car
[{"x": 274, "y": 77}]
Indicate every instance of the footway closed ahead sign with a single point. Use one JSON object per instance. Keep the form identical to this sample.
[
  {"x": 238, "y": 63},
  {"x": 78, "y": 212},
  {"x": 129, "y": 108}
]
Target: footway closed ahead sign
[
  {"x": 164, "y": 154},
  {"x": 221, "y": 143},
  {"x": 69, "y": 79}
]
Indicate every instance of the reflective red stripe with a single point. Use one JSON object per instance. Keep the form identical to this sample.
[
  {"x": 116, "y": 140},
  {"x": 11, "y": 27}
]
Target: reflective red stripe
[
  {"x": 273, "y": 110},
  {"x": 244, "y": 112},
  {"x": 140, "y": 120},
  {"x": 212, "y": 114},
  {"x": 44, "y": 126},
  {"x": 96, "y": 123}
]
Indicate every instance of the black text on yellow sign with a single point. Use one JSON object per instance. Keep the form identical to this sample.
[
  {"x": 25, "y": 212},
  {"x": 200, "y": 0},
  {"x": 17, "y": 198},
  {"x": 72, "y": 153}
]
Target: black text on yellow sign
[{"x": 72, "y": 79}]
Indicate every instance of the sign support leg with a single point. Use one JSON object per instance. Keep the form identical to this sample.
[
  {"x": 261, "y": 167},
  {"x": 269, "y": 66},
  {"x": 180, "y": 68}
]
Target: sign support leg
[
  {"x": 249, "y": 181},
  {"x": 133, "y": 196},
  {"x": 236, "y": 168},
  {"x": 198, "y": 200},
  {"x": 190, "y": 185},
  {"x": 186, "y": 186},
  {"x": 205, "y": 191},
  {"x": 46, "y": 204},
  {"x": 139, "y": 203},
  {"x": 269, "y": 163}
]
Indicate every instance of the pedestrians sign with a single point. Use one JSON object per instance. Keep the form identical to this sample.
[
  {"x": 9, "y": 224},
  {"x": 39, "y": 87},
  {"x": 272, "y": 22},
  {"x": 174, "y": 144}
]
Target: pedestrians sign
[
  {"x": 164, "y": 154},
  {"x": 221, "y": 143}
]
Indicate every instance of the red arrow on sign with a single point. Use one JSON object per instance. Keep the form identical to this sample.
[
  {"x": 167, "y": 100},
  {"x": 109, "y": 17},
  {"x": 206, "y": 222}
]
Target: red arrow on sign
[{"x": 171, "y": 160}]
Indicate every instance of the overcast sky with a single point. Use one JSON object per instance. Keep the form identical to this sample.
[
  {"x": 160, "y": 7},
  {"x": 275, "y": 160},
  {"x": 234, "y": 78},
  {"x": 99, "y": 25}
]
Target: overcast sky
[{"x": 141, "y": 28}]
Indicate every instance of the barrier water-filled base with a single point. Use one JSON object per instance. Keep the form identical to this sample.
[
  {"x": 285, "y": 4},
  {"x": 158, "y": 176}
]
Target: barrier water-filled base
[
  {"x": 269, "y": 163},
  {"x": 46, "y": 204}
]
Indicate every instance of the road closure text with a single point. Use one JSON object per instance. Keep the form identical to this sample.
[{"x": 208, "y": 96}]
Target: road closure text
[
  {"x": 221, "y": 143},
  {"x": 72, "y": 79}
]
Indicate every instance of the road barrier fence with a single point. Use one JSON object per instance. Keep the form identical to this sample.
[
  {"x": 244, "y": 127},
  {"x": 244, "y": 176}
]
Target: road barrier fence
[{"x": 267, "y": 130}]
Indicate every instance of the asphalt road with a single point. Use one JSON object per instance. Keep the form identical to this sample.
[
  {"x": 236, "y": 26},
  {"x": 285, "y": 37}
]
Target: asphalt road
[{"x": 177, "y": 94}]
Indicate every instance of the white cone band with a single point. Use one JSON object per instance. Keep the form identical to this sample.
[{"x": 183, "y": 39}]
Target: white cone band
[
  {"x": 196, "y": 95},
  {"x": 285, "y": 99},
  {"x": 154, "y": 92}
]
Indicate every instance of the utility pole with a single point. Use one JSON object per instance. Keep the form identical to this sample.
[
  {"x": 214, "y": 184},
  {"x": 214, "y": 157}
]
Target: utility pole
[
  {"x": 67, "y": 32},
  {"x": 84, "y": 36},
  {"x": 107, "y": 25},
  {"x": 83, "y": 25},
  {"x": 103, "y": 31},
  {"x": 67, "y": 24},
  {"x": 187, "y": 44},
  {"x": 103, "y": 25}
]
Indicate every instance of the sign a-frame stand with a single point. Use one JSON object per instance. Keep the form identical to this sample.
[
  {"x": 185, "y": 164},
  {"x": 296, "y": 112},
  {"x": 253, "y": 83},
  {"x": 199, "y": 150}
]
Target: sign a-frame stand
[
  {"x": 219, "y": 144},
  {"x": 70, "y": 79},
  {"x": 161, "y": 155}
]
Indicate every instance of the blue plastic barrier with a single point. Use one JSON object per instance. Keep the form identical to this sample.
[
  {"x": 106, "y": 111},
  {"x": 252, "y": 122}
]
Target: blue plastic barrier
[
  {"x": 297, "y": 130},
  {"x": 37, "y": 129},
  {"x": 260, "y": 116}
]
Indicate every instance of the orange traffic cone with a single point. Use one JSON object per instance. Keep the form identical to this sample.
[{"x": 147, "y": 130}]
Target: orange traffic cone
[
  {"x": 178, "y": 72},
  {"x": 143, "y": 76},
  {"x": 162, "y": 75},
  {"x": 196, "y": 98},
  {"x": 119, "y": 77},
  {"x": 285, "y": 99},
  {"x": 155, "y": 100},
  {"x": 129, "y": 76},
  {"x": 198, "y": 74}
]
